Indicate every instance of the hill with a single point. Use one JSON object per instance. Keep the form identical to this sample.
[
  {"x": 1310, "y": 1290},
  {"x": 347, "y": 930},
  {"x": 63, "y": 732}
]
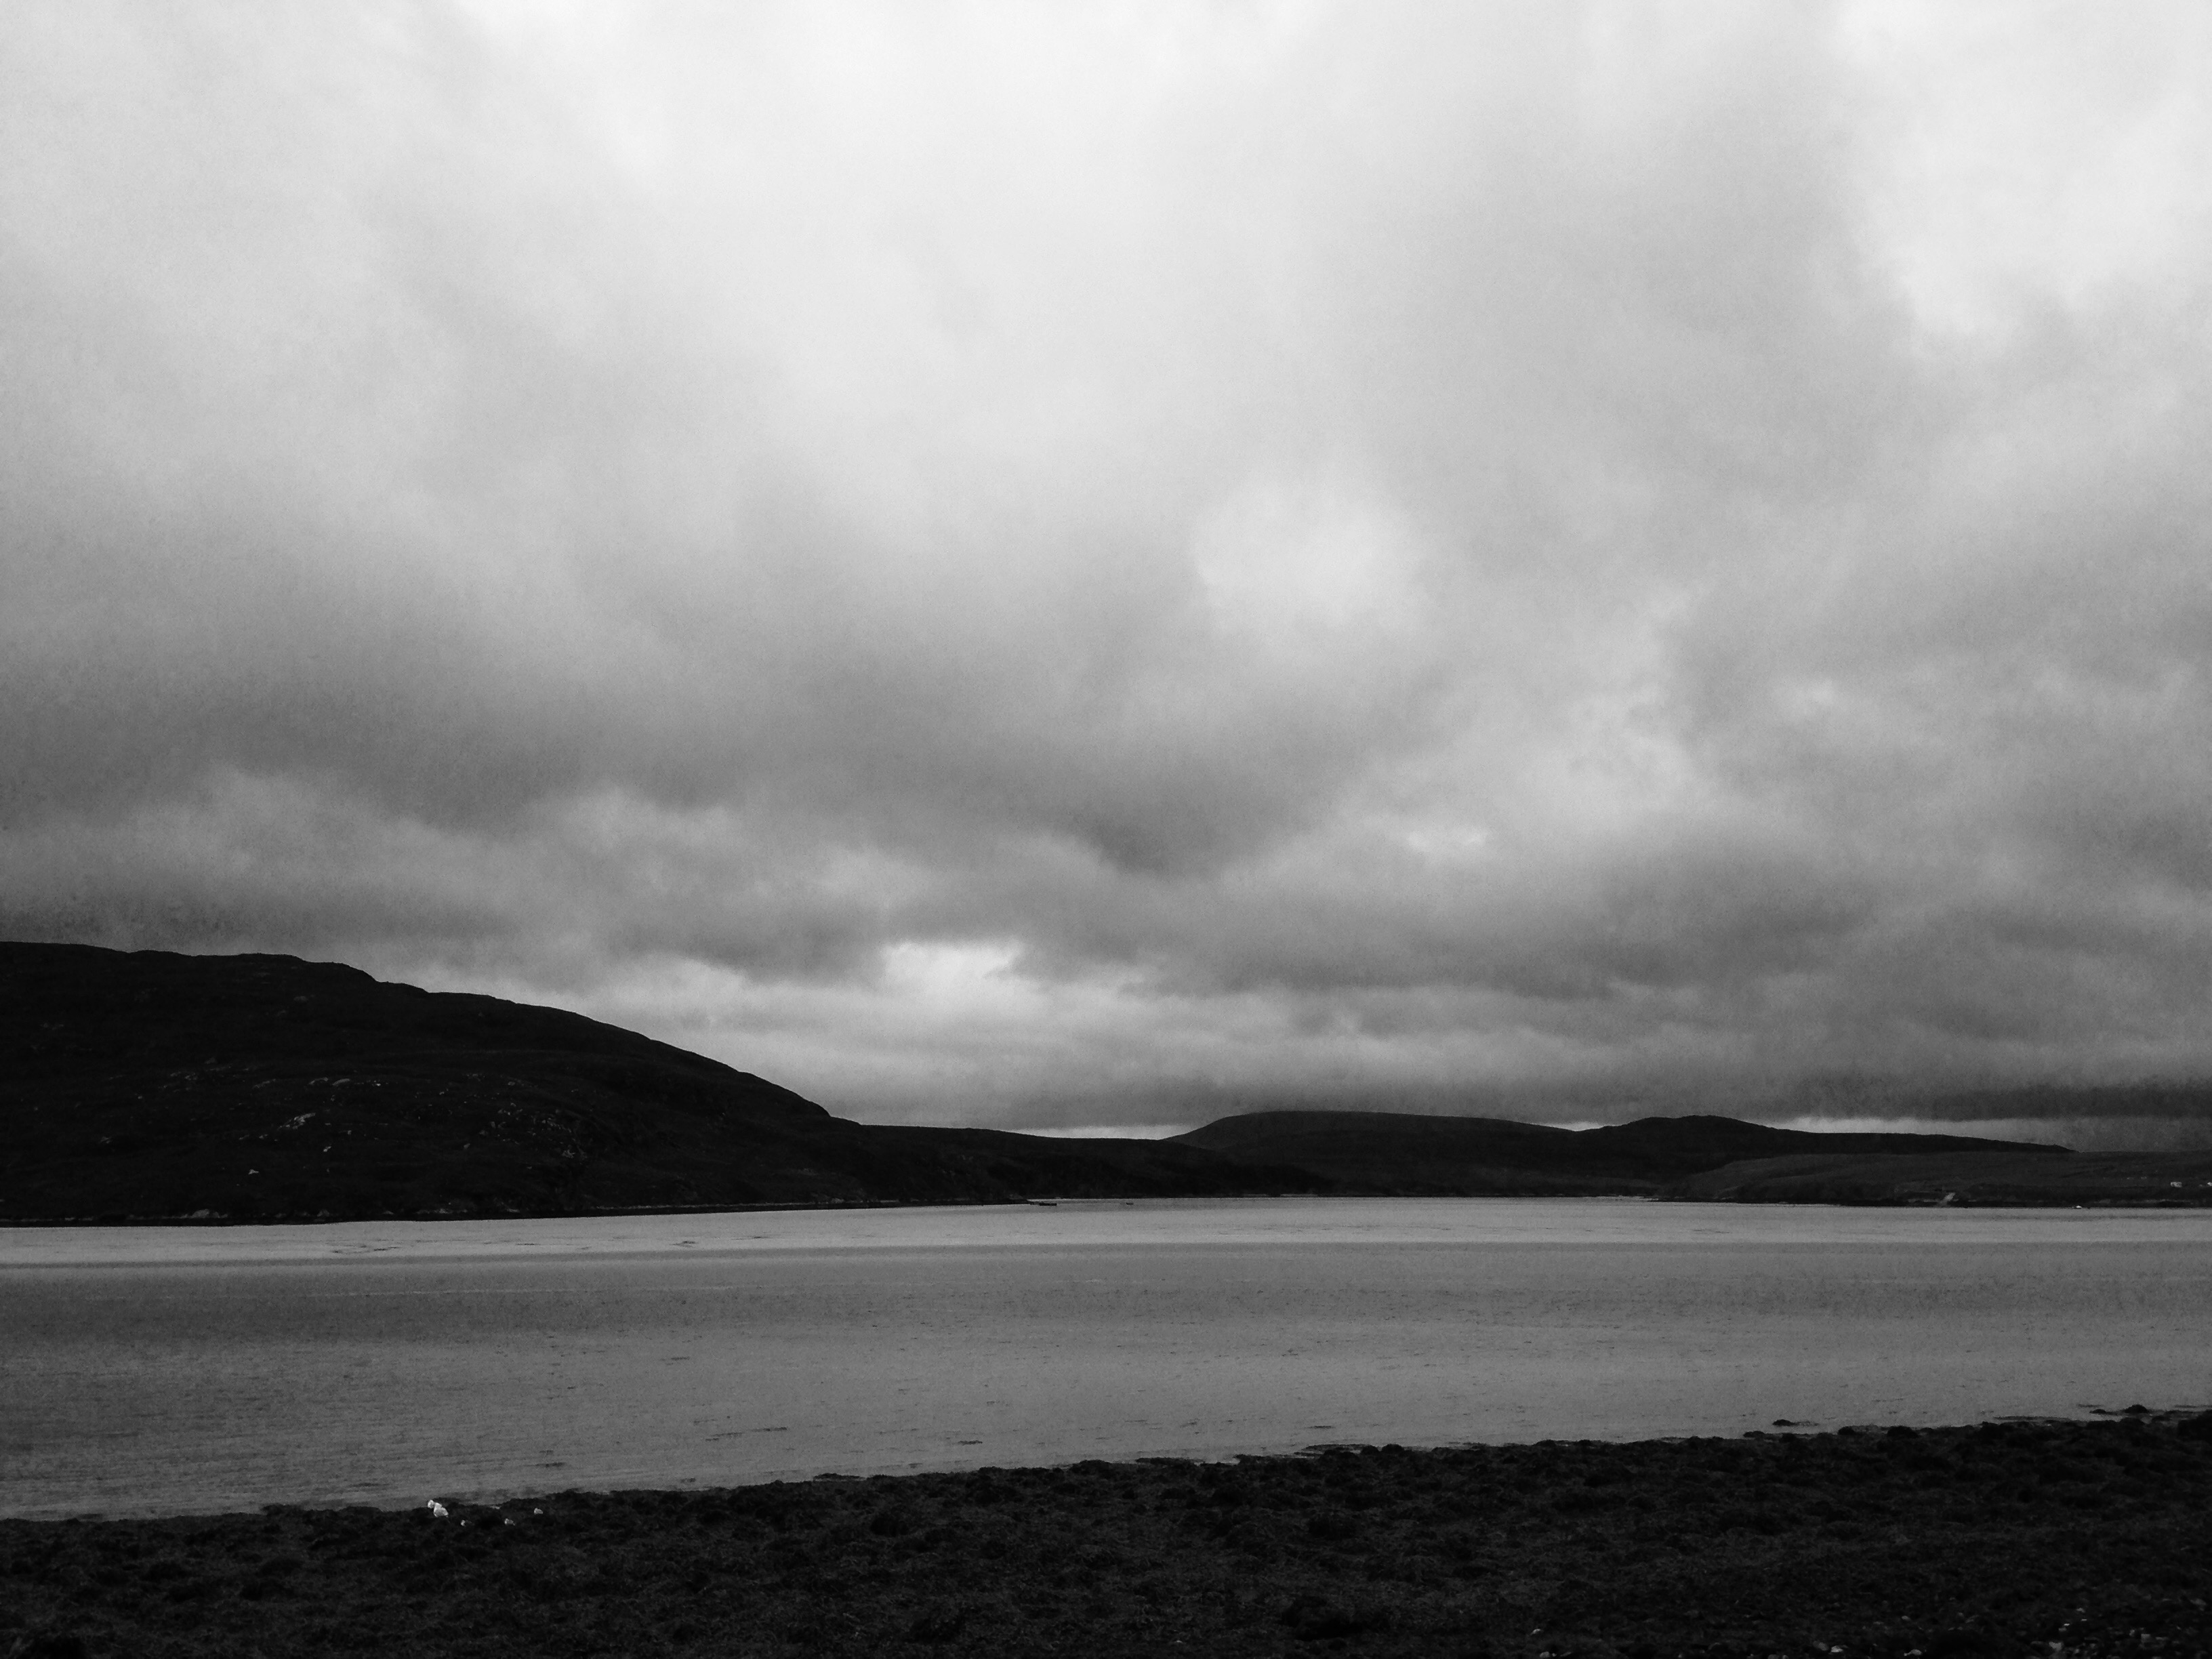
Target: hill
[
  {"x": 145, "y": 1085},
  {"x": 1413, "y": 1155}
]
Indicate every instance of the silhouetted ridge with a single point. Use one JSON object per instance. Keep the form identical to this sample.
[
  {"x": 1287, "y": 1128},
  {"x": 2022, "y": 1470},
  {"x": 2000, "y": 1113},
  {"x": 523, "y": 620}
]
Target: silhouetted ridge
[
  {"x": 148, "y": 1085},
  {"x": 77, "y": 1012},
  {"x": 1413, "y": 1154}
]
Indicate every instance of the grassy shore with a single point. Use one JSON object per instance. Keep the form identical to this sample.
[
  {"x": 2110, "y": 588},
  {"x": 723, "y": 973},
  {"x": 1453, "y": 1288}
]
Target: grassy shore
[{"x": 2074, "y": 1538}]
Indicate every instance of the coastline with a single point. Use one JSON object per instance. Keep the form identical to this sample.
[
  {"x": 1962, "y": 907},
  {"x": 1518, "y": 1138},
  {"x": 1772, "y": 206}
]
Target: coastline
[{"x": 2066, "y": 1537}]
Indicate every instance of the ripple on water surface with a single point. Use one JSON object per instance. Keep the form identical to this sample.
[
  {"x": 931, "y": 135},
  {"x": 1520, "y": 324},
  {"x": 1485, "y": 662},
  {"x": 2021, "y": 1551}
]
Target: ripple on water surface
[{"x": 165, "y": 1369}]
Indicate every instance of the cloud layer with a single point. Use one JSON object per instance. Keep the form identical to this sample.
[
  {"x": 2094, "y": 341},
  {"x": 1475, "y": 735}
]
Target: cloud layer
[{"x": 1105, "y": 564}]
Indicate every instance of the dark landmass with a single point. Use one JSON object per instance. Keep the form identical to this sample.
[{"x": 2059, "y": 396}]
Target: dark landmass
[
  {"x": 150, "y": 1087},
  {"x": 2164, "y": 1180},
  {"x": 1410, "y": 1155},
  {"x": 2064, "y": 1540},
  {"x": 147, "y": 1086}
]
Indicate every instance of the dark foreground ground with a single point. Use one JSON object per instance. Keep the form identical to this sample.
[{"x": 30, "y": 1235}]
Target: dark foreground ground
[{"x": 2046, "y": 1538}]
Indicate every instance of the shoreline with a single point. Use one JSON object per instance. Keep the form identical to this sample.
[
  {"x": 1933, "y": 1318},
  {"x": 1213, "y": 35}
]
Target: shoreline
[
  {"x": 2006, "y": 1537},
  {"x": 639, "y": 1211}
]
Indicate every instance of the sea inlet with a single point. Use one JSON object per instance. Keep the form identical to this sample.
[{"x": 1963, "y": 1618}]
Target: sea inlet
[{"x": 152, "y": 1371}]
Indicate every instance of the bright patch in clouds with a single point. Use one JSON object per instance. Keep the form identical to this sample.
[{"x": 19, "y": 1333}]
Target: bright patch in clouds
[{"x": 1070, "y": 566}]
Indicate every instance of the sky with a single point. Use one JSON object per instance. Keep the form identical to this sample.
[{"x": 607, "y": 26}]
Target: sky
[{"x": 1099, "y": 566}]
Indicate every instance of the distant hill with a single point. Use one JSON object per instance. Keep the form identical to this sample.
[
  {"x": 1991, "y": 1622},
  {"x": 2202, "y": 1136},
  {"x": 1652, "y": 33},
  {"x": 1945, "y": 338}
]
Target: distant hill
[
  {"x": 146, "y": 1085},
  {"x": 1415, "y": 1155}
]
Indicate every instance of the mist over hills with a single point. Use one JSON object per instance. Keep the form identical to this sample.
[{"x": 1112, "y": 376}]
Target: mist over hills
[{"x": 147, "y": 1086}]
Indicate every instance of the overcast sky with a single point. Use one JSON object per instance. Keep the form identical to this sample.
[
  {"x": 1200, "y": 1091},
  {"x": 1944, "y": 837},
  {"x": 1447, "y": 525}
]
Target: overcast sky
[{"x": 1105, "y": 564}]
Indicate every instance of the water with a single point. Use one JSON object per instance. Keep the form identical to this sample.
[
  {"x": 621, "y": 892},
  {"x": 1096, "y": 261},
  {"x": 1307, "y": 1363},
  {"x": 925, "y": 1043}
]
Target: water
[{"x": 167, "y": 1370}]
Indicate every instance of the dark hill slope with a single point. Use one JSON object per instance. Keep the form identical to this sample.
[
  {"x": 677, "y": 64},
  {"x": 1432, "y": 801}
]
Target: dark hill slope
[
  {"x": 146, "y": 1085},
  {"x": 1411, "y": 1154},
  {"x": 72, "y": 1012}
]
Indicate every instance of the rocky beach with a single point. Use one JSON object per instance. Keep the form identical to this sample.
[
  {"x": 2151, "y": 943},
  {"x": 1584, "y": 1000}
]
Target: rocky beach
[{"x": 2052, "y": 1538}]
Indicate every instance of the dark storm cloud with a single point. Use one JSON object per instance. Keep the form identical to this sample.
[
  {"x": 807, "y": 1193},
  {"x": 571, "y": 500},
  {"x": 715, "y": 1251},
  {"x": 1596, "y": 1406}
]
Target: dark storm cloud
[{"x": 1087, "y": 566}]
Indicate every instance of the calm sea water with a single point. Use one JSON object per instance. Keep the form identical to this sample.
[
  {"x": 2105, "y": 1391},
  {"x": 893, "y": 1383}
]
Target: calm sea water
[{"x": 167, "y": 1370}]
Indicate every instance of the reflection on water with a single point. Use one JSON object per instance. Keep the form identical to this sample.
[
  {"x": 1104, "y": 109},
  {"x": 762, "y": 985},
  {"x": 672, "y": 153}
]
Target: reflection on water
[{"x": 164, "y": 1370}]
